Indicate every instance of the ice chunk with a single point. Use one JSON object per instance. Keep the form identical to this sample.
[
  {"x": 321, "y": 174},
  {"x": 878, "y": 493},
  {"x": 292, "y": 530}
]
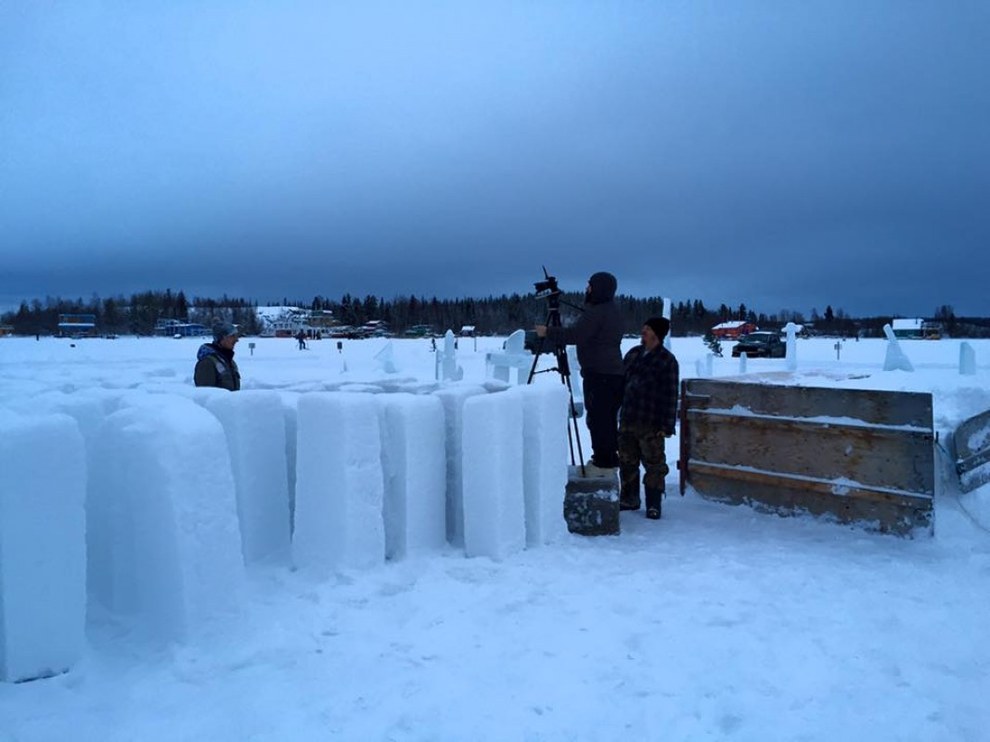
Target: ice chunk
[
  {"x": 453, "y": 398},
  {"x": 494, "y": 506},
  {"x": 415, "y": 466},
  {"x": 254, "y": 423},
  {"x": 164, "y": 546},
  {"x": 545, "y": 423},
  {"x": 42, "y": 545},
  {"x": 339, "y": 482}
]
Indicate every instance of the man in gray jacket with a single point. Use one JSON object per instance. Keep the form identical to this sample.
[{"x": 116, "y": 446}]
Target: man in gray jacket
[
  {"x": 215, "y": 364},
  {"x": 598, "y": 336}
]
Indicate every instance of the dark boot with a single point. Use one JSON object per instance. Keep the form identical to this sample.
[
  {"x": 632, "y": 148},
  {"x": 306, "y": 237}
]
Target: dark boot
[
  {"x": 653, "y": 500},
  {"x": 629, "y": 488}
]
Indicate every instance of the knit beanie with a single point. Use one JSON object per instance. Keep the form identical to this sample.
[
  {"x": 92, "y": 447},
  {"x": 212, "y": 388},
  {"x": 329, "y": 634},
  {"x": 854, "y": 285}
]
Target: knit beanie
[
  {"x": 603, "y": 286},
  {"x": 659, "y": 325},
  {"x": 222, "y": 330}
]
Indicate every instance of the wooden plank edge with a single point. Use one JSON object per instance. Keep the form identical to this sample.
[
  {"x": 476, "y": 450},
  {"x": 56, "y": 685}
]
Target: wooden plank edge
[
  {"x": 828, "y": 487},
  {"x": 969, "y": 463},
  {"x": 811, "y": 423}
]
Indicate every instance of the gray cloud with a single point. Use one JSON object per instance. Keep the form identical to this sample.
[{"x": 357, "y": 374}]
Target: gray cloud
[{"x": 826, "y": 153}]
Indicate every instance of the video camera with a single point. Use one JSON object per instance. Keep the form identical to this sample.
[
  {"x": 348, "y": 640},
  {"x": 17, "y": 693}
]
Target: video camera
[{"x": 549, "y": 290}]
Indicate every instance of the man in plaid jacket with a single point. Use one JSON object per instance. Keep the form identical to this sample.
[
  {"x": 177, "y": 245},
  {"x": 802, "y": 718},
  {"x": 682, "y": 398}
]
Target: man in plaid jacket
[{"x": 647, "y": 417}]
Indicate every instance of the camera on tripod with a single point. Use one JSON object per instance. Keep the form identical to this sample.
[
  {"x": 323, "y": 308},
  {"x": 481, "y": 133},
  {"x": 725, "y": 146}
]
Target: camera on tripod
[{"x": 549, "y": 290}]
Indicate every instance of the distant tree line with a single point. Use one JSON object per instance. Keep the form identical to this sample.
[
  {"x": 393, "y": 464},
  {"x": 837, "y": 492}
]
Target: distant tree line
[
  {"x": 138, "y": 313},
  {"x": 134, "y": 315}
]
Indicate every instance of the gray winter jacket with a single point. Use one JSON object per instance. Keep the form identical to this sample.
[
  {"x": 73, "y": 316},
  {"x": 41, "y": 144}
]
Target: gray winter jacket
[
  {"x": 597, "y": 332},
  {"x": 215, "y": 366}
]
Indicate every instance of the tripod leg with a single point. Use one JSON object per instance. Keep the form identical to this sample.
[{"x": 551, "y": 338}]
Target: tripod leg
[
  {"x": 570, "y": 440},
  {"x": 573, "y": 418},
  {"x": 532, "y": 370}
]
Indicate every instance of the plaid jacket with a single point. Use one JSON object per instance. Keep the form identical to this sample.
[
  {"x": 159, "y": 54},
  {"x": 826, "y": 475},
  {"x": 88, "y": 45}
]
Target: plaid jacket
[{"x": 650, "y": 397}]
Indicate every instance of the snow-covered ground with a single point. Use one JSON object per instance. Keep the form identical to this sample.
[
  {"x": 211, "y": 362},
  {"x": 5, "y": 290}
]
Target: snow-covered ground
[{"x": 714, "y": 623}]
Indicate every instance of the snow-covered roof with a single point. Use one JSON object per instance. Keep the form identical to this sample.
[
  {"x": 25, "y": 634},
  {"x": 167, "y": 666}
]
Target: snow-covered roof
[
  {"x": 904, "y": 323},
  {"x": 731, "y": 325}
]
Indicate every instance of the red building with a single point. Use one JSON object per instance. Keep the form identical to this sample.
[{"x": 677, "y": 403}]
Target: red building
[{"x": 732, "y": 330}]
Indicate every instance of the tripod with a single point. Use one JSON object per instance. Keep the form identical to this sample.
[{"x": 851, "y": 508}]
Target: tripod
[{"x": 563, "y": 367}]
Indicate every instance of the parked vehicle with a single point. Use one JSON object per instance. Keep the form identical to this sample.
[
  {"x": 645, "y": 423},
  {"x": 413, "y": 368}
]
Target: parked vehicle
[
  {"x": 420, "y": 331},
  {"x": 760, "y": 345}
]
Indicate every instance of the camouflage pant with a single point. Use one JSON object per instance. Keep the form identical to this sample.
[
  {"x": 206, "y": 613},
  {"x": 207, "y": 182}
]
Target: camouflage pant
[{"x": 641, "y": 445}]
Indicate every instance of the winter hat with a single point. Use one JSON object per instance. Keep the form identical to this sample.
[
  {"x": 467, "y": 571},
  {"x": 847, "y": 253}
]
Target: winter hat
[
  {"x": 603, "y": 286},
  {"x": 222, "y": 330},
  {"x": 659, "y": 325}
]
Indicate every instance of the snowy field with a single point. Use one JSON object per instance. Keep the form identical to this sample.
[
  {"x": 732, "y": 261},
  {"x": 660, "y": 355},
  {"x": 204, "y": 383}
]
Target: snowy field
[{"x": 713, "y": 623}]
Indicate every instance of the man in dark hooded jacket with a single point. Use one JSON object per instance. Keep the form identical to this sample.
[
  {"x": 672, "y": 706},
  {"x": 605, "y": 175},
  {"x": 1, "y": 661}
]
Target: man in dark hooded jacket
[
  {"x": 215, "y": 364},
  {"x": 598, "y": 336}
]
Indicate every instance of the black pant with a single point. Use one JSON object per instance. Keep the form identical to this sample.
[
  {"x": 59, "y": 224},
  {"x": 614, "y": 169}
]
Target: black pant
[{"x": 602, "y": 400}]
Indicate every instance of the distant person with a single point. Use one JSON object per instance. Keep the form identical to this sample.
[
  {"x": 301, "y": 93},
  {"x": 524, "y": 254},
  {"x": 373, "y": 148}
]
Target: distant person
[
  {"x": 301, "y": 337},
  {"x": 215, "y": 365},
  {"x": 647, "y": 417},
  {"x": 597, "y": 334}
]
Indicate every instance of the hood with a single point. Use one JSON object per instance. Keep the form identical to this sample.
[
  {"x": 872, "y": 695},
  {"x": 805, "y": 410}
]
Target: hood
[
  {"x": 210, "y": 349},
  {"x": 603, "y": 286},
  {"x": 206, "y": 349}
]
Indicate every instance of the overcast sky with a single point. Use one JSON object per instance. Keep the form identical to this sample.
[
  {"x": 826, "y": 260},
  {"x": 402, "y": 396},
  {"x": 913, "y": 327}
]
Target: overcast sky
[{"x": 781, "y": 154}]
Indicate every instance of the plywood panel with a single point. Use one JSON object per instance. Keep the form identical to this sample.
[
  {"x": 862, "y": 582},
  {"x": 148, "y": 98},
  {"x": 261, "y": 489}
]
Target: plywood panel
[
  {"x": 972, "y": 444},
  {"x": 853, "y": 455},
  {"x": 860, "y": 454}
]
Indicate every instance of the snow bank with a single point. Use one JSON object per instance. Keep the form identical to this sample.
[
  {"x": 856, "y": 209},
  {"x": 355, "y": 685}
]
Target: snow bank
[{"x": 42, "y": 545}]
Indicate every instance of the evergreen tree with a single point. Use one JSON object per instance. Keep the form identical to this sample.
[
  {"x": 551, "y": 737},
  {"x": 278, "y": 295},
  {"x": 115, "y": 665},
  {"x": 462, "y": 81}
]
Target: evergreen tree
[{"x": 713, "y": 343}]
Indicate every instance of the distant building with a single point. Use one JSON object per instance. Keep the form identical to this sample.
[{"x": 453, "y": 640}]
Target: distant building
[
  {"x": 6, "y": 330},
  {"x": 375, "y": 328},
  {"x": 732, "y": 330},
  {"x": 907, "y": 328},
  {"x": 172, "y": 327},
  {"x": 932, "y": 330},
  {"x": 320, "y": 320},
  {"x": 77, "y": 325},
  {"x": 288, "y": 322}
]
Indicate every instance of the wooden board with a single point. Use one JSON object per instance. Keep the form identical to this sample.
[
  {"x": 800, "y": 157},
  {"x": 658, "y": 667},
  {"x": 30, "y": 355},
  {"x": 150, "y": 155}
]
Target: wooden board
[
  {"x": 971, "y": 442},
  {"x": 853, "y": 455}
]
